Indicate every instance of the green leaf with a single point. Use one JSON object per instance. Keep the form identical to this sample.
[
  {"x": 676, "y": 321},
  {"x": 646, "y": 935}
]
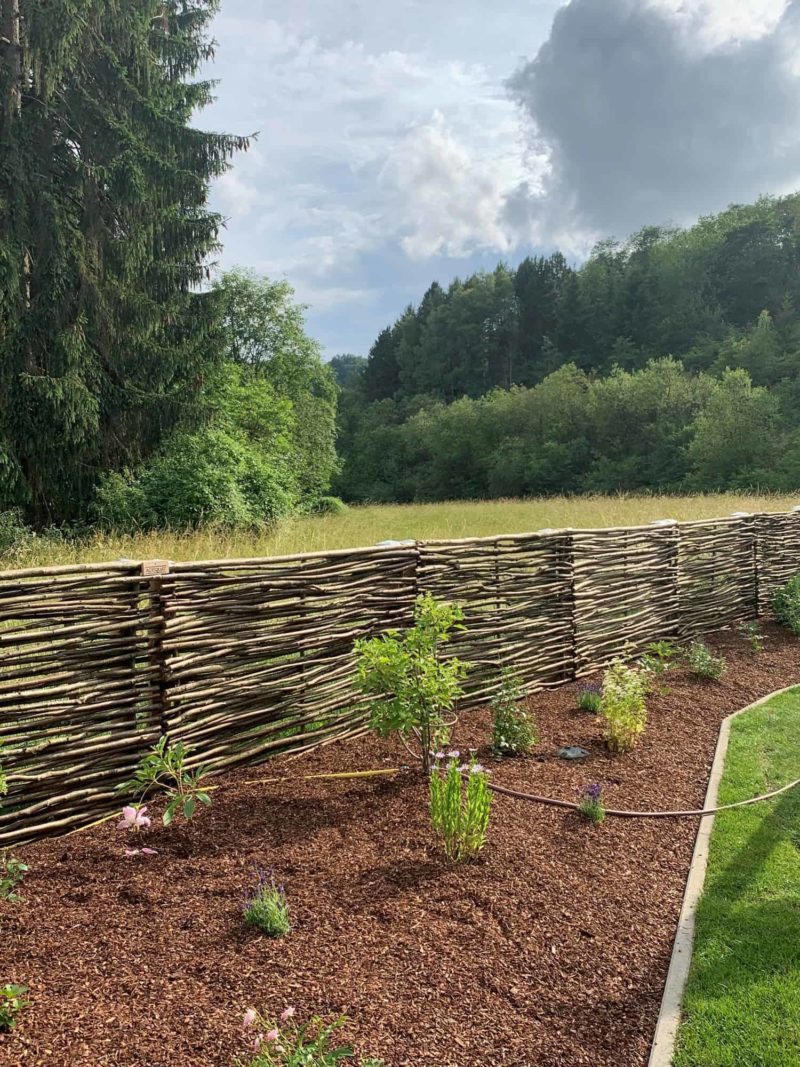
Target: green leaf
[{"x": 188, "y": 807}]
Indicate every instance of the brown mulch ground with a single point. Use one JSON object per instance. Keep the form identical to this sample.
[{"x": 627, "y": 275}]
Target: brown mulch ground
[{"x": 550, "y": 950}]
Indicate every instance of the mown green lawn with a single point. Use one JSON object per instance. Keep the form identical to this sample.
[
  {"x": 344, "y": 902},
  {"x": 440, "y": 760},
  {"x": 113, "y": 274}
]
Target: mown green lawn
[{"x": 742, "y": 1003}]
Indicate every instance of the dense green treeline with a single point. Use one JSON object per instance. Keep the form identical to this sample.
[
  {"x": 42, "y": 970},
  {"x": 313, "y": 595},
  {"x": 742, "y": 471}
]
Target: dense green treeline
[
  {"x": 670, "y": 361},
  {"x": 131, "y": 390}
]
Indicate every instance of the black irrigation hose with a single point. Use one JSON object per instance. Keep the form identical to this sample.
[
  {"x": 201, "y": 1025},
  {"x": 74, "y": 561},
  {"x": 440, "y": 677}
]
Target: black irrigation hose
[{"x": 700, "y": 813}]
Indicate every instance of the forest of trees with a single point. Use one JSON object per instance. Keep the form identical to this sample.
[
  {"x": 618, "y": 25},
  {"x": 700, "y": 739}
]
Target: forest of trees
[
  {"x": 671, "y": 361},
  {"x": 140, "y": 389},
  {"x": 132, "y": 391}
]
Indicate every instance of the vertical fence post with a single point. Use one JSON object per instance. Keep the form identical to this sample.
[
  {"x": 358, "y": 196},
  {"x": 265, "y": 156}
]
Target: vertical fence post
[
  {"x": 565, "y": 571},
  {"x": 155, "y": 570},
  {"x": 672, "y": 599},
  {"x": 748, "y": 527}
]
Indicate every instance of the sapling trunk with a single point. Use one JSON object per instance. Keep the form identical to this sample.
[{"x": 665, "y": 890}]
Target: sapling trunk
[{"x": 425, "y": 742}]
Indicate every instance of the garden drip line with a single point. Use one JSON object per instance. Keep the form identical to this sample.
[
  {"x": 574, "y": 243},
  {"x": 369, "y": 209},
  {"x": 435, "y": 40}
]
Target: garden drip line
[
  {"x": 514, "y": 794},
  {"x": 699, "y": 813}
]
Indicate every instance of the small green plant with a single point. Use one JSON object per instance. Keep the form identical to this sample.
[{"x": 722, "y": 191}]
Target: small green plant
[
  {"x": 164, "y": 766},
  {"x": 590, "y": 803},
  {"x": 266, "y": 906},
  {"x": 751, "y": 632},
  {"x": 590, "y": 698},
  {"x": 660, "y": 656},
  {"x": 12, "y": 1002},
  {"x": 514, "y": 733},
  {"x": 414, "y": 686},
  {"x": 328, "y": 505},
  {"x": 286, "y": 1043},
  {"x": 702, "y": 661},
  {"x": 786, "y": 604},
  {"x": 12, "y": 872},
  {"x": 460, "y": 808},
  {"x": 623, "y": 706}
]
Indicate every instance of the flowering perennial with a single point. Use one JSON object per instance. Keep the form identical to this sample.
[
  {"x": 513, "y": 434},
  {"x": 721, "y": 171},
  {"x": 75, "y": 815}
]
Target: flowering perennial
[{"x": 460, "y": 803}]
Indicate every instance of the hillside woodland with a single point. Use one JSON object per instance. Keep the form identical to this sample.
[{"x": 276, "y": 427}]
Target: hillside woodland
[{"x": 666, "y": 362}]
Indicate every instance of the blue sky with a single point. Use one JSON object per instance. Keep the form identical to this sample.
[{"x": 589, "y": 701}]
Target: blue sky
[{"x": 419, "y": 139}]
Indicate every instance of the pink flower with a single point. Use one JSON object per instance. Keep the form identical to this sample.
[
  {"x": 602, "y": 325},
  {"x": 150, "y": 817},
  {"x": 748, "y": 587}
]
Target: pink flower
[
  {"x": 149, "y": 852},
  {"x": 272, "y": 1035},
  {"x": 133, "y": 818},
  {"x": 140, "y": 852},
  {"x": 286, "y": 1014},
  {"x": 249, "y": 1019}
]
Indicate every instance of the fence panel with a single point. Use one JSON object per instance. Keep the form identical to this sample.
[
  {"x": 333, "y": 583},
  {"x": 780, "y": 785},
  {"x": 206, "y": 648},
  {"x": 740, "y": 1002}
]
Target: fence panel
[
  {"x": 243, "y": 659},
  {"x": 259, "y": 655},
  {"x": 717, "y": 574},
  {"x": 625, "y": 591},
  {"x": 516, "y": 593},
  {"x": 74, "y": 683},
  {"x": 778, "y": 553}
]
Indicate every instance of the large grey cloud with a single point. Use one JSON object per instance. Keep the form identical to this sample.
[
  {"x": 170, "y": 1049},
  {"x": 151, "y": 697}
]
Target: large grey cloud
[{"x": 644, "y": 122}]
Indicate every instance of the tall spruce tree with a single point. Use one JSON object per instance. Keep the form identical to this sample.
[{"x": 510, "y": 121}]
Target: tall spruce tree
[{"x": 105, "y": 236}]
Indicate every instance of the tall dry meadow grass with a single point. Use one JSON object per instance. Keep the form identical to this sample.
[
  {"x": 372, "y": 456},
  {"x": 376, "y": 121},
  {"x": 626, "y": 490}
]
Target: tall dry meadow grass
[{"x": 369, "y": 524}]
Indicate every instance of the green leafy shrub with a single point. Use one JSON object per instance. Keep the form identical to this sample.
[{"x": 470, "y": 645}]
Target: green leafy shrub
[
  {"x": 590, "y": 698},
  {"x": 590, "y": 803},
  {"x": 164, "y": 767},
  {"x": 623, "y": 706},
  {"x": 702, "y": 661},
  {"x": 415, "y": 686},
  {"x": 328, "y": 505},
  {"x": 235, "y": 471},
  {"x": 12, "y": 1002},
  {"x": 660, "y": 656},
  {"x": 514, "y": 733},
  {"x": 786, "y": 605},
  {"x": 266, "y": 907},
  {"x": 751, "y": 632},
  {"x": 460, "y": 809},
  {"x": 207, "y": 478},
  {"x": 12, "y": 872}
]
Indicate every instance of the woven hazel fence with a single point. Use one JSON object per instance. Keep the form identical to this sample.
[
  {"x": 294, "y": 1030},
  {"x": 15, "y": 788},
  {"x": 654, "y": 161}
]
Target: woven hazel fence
[{"x": 247, "y": 658}]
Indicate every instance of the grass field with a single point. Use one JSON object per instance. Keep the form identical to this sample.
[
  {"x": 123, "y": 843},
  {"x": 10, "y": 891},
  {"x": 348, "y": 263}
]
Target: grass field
[
  {"x": 742, "y": 1004},
  {"x": 367, "y": 525}
]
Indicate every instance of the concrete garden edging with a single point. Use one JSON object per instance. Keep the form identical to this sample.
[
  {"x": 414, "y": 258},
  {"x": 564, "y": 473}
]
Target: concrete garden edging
[{"x": 669, "y": 1016}]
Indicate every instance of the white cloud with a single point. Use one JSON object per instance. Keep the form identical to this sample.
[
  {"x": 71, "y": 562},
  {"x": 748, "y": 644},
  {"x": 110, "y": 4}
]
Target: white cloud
[
  {"x": 716, "y": 23},
  {"x": 235, "y": 194},
  {"x": 360, "y": 146},
  {"x": 450, "y": 196}
]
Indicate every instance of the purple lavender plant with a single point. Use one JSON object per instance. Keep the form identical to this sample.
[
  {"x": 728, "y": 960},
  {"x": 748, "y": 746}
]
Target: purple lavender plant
[
  {"x": 590, "y": 698},
  {"x": 590, "y": 803},
  {"x": 265, "y": 906}
]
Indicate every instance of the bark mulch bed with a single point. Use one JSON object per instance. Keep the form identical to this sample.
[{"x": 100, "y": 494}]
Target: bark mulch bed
[{"x": 550, "y": 950}]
